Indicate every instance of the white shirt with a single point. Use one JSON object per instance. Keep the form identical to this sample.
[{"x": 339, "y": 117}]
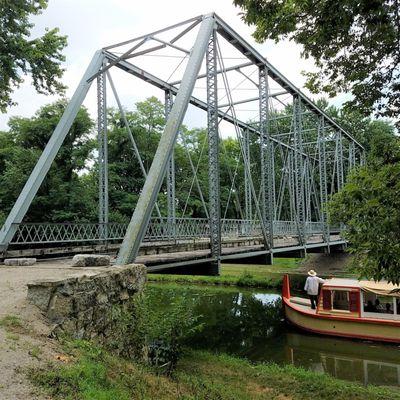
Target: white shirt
[{"x": 312, "y": 285}]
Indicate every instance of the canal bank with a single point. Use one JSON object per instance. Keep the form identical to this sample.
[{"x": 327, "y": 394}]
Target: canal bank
[
  {"x": 264, "y": 276},
  {"x": 244, "y": 350},
  {"x": 92, "y": 373}
]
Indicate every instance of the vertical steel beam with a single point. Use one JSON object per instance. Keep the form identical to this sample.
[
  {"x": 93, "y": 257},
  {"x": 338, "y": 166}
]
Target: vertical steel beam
[
  {"x": 307, "y": 189},
  {"x": 352, "y": 155},
  {"x": 339, "y": 161},
  {"x": 292, "y": 185},
  {"x": 171, "y": 217},
  {"x": 247, "y": 186},
  {"x": 213, "y": 150},
  {"x": 102, "y": 141},
  {"x": 298, "y": 168},
  {"x": 363, "y": 158},
  {"x": 141, "y": 216},
  {"x": 266, "y": 159},
  {"x": 43, "y": 165},
  {"x": 323, "y": 184}
]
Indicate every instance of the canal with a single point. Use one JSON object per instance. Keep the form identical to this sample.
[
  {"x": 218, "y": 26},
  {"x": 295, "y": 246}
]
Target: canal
[{"x": 249, "y": 324}]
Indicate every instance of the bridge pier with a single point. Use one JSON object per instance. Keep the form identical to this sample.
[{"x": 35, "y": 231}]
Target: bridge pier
[
  {"x": 207, "y": 268},
  {"x": 262, "y": 259},
  {"x": 295, "y": 253},
  {"x": 319, "y": 250}
]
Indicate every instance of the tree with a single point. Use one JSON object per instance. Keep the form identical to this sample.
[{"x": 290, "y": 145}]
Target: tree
[
  {"x": 20, "y": 54},
  {"x": 355, "y": 45},
  {"x": 65, "y": 194},
  {"x": 125, "y": 176},
  {"x": 369, "y": 206}
]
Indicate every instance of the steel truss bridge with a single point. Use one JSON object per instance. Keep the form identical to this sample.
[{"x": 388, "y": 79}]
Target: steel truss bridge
[{"x": 291, "y": 161}]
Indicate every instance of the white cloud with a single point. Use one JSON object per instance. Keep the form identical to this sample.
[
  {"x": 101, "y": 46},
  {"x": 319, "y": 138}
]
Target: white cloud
[{"x": 92, "y": 24}]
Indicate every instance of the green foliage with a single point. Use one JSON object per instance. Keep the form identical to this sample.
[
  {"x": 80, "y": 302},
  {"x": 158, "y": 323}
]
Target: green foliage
[
  {"x": 270, "y": 281},
  {"x": 88, "y": 378},
  {"x": 146, "y": 332},
  {"x": 20, "y": 54},
  {"x": 246, "y": 279},
  {"x": 369, "y": 206},
  {"x": 65, "y": 194},
  {"x": 164, "y": 329},
  {"x": 354, "y": 45}
]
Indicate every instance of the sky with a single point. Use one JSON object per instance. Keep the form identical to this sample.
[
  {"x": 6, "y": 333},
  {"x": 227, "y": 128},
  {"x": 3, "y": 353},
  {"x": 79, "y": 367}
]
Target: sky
[{"x": 93, "y": 24}]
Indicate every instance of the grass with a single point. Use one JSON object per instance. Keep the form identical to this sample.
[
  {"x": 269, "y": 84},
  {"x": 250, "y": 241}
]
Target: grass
[
  {"x": 96, "y": 374},
  {"x": 249, "y": 275},
  {"x": 13, "y": 324},
  {"x": 12, "y": 336},
  {"x": 35, "y": 352}
]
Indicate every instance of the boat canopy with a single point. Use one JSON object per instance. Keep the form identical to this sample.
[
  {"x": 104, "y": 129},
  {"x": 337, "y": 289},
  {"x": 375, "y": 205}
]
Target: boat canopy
[{"x": 382, "y": 288}]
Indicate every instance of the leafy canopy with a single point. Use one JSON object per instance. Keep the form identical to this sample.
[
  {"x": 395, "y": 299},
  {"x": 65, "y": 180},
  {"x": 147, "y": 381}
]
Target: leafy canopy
[
  {"x": 369, "y": 206},
  {"x": 355, "y": 45},
  {"x": 20, "y": 54},
  {"x": 65, "y": 194}
]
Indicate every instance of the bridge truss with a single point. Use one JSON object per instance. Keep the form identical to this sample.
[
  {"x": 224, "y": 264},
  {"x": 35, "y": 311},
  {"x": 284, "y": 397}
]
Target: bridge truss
[{"x": 292, "y": 162}]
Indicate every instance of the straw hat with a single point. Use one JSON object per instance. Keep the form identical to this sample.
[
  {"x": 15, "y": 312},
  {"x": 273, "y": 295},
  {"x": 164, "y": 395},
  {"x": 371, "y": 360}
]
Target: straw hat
[{"x": 311, "y": 272}]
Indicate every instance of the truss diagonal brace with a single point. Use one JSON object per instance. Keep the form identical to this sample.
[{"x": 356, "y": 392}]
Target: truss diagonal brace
[
  {"x": 141, "y": 216},
  {"x": 43, "y": 165}
]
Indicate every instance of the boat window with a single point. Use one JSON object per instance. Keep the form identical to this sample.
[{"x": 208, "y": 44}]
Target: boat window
[
  {"x": 378, "y": 304},
  {"x": 340, "y": 300}
]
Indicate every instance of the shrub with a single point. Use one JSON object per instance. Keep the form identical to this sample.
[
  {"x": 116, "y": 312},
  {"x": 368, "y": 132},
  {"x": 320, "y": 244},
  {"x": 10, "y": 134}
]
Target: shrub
[
  {"x": 154, "y": 335},
  {"x": 245, "y": 279}
]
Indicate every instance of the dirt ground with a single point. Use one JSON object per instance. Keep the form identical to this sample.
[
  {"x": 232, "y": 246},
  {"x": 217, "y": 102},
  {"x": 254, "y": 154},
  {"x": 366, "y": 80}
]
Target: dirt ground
[
  {"x": 26, "y": 344},
  {"x": 326, "y": 264}
]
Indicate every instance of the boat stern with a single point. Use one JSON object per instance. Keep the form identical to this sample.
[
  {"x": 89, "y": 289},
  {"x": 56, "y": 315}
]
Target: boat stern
[{"x": 286, "y": 287}]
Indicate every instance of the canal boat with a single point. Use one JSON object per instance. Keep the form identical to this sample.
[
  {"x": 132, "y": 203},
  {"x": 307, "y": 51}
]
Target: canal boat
[{"x": 348, "y": 308}]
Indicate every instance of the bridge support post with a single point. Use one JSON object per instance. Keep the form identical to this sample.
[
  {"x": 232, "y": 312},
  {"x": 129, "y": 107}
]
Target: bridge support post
[
  {"x": 339, "y": 164},
  {"x": 339, "y": 161},
  {"x": 267, "y": 160},
  {"x": 298, "y": 168},
  {"x": 213, "y": 155},
  {"x": 323, "y": 184},
  {"x": 43, "y": 165},
  {"x": 247, "y": 186},
  {"x": 170, "y": 175},
  {"x": 141, "y": 216},
  {"x": 103, "y": 154},
  {"x": 352, "y": 156}
]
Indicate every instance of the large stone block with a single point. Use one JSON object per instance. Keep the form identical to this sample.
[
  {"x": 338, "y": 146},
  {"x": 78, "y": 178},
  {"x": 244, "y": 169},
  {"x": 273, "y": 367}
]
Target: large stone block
[
  {"x": 91, "y": 260},
  {"x": 84, "y": 306},
  {"x": 20, "y": 262},
  {"x": 60, "y": 307},
  {"x": 40, "y": 295}
]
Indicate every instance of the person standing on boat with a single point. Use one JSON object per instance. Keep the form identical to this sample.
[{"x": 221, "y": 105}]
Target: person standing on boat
[{"x": 312, "y": 287}]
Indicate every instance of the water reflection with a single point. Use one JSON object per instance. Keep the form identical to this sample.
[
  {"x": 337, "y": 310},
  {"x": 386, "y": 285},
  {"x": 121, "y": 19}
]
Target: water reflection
[
  {"x": 346, "y": 359},
  {"x": 237, "y": 323},
  {"x": 250, "y": 324}
]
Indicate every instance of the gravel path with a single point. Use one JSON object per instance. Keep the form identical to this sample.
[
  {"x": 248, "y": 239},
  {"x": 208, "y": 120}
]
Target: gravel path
[{"x": 26, "y": 344}]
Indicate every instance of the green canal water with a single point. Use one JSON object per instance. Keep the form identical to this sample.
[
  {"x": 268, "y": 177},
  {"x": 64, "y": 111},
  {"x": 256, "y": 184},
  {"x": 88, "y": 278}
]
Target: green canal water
[{"x": 250, "y": 324}]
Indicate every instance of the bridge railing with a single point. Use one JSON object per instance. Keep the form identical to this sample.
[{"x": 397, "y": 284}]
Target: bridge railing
[{"x": 158, "y": 229}]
